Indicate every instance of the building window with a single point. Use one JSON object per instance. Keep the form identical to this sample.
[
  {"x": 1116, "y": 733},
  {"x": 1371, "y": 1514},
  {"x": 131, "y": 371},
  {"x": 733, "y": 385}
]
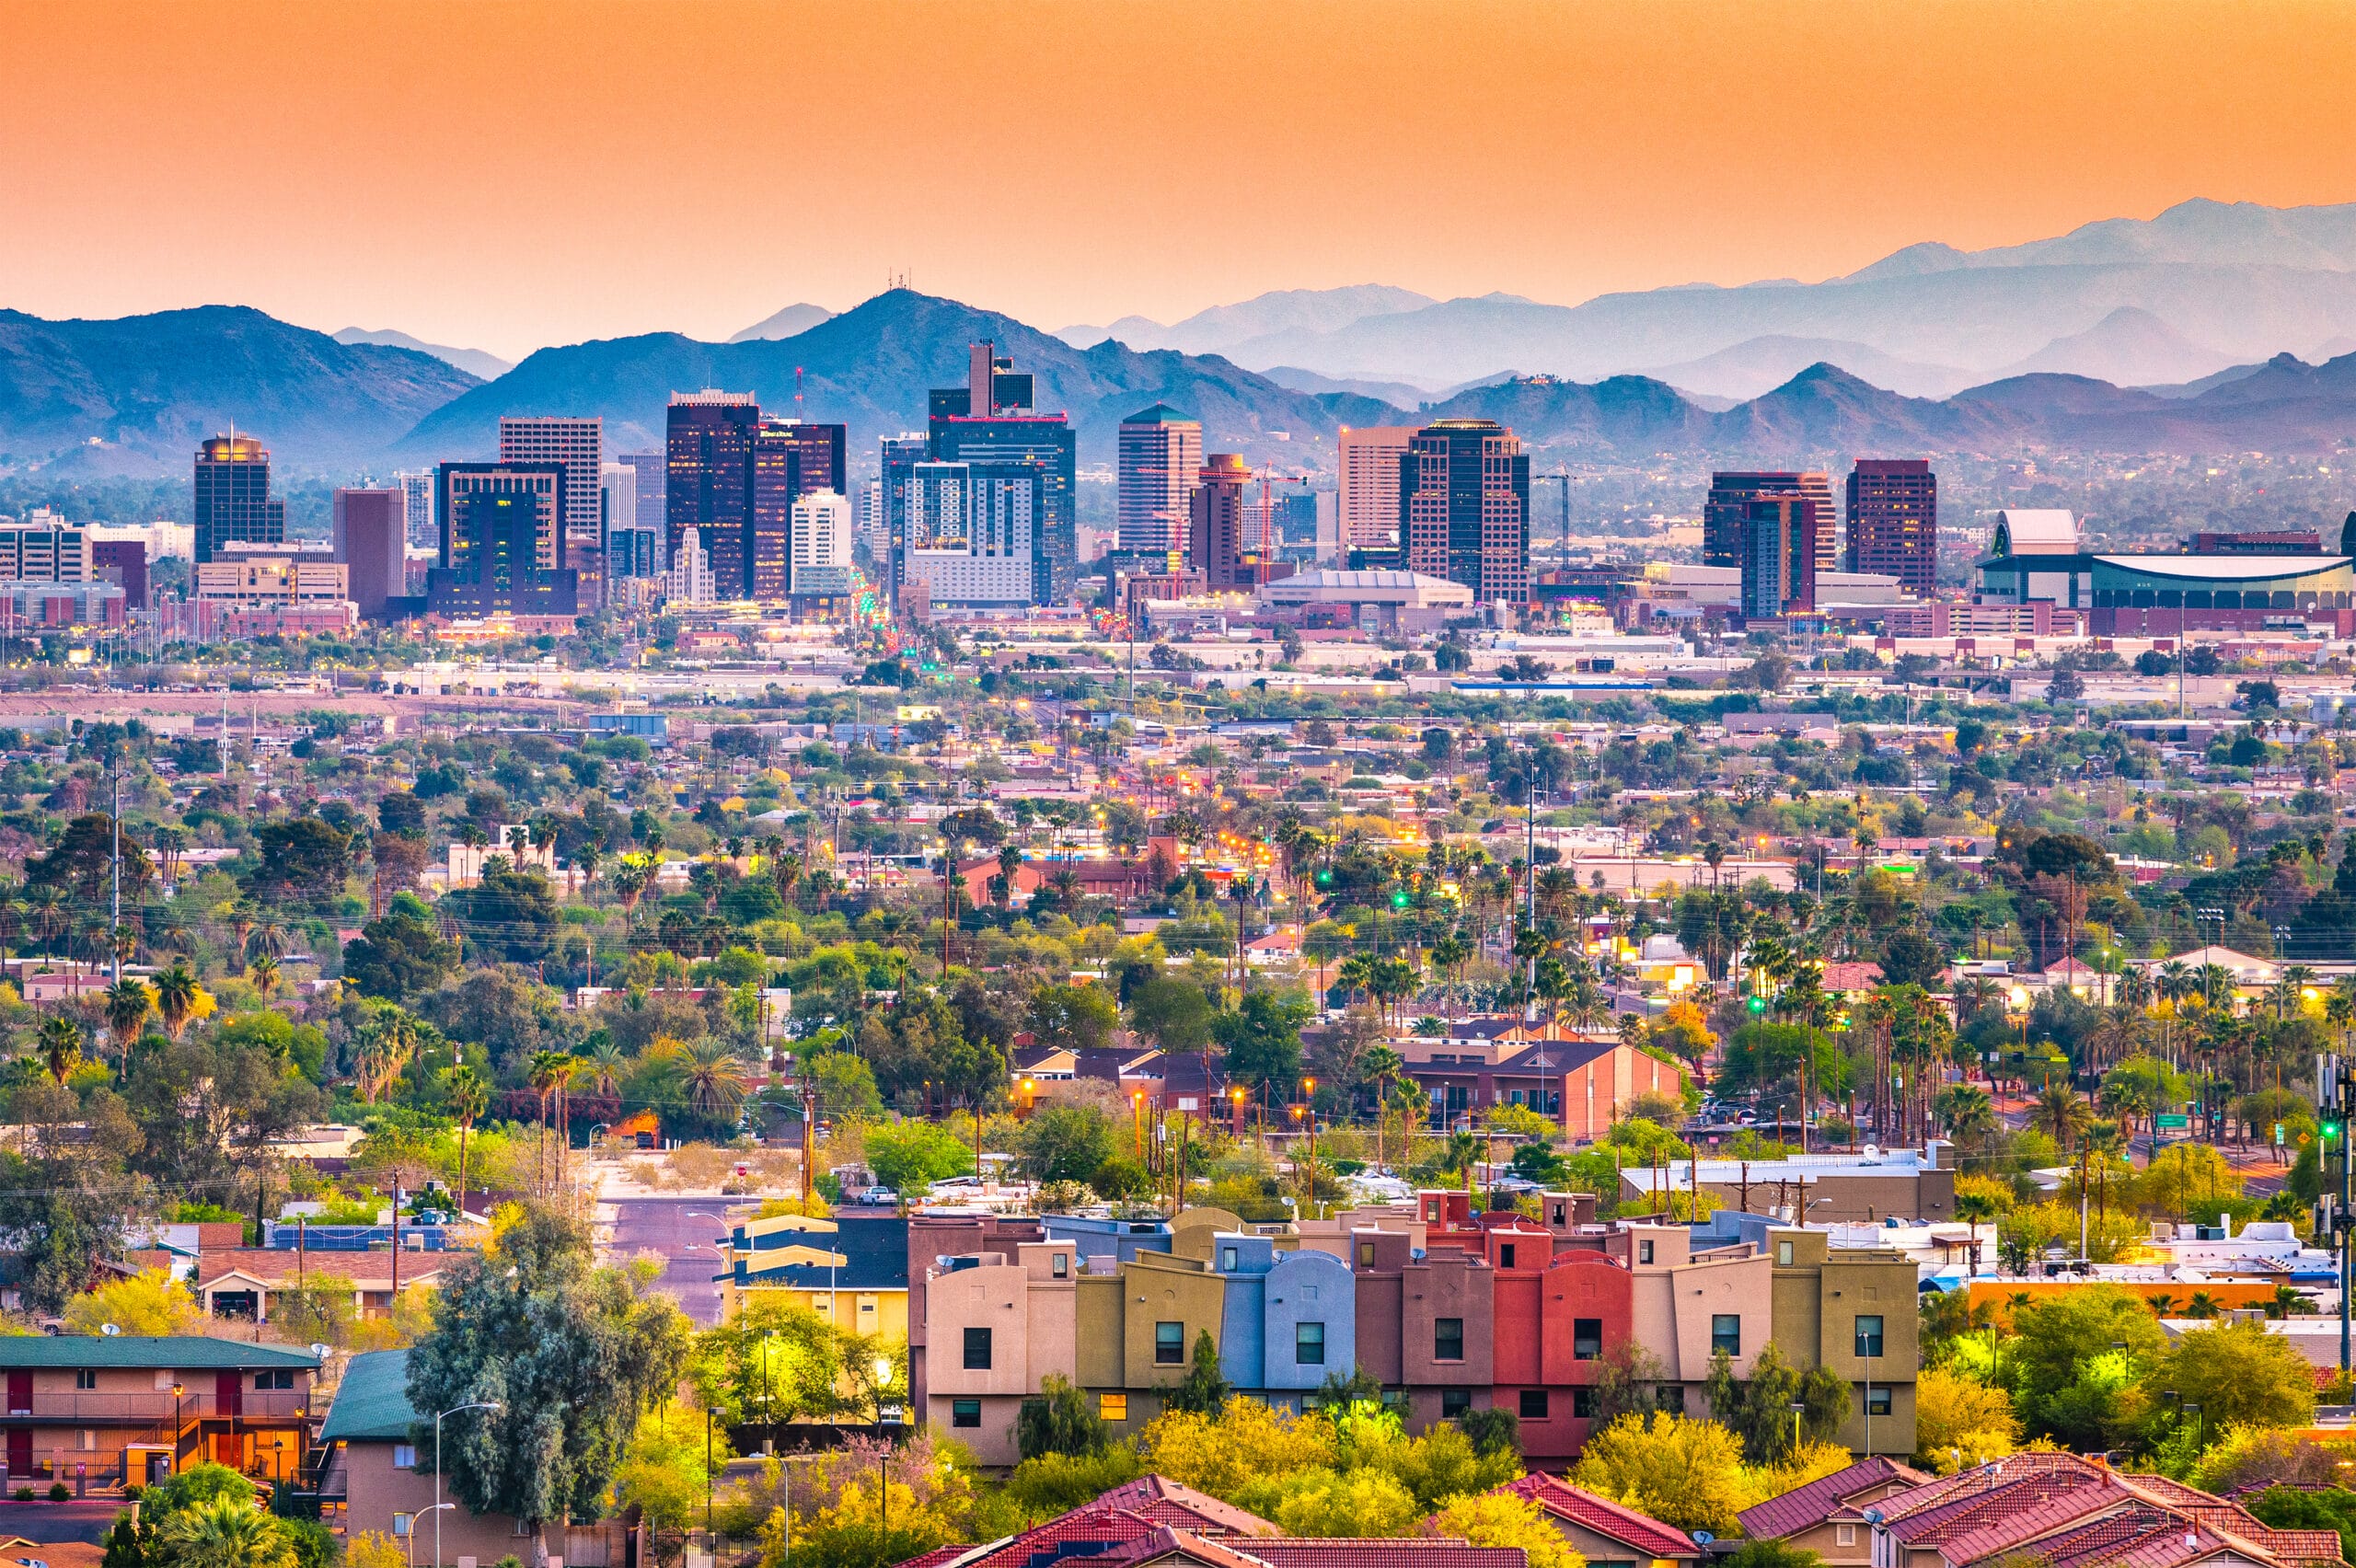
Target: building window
[
  {"x": 1228, "y": 1259},
  {"x": 1844, "y": 1535},
  {"x": 1365, "y": 1255},
  {"x": 1583, "y": 1403},
  {"x": 965, "y": 1413},
  {"x": 1587, "y": 1338},
  {"x": 1169, "y": 1344},
  {"x": 1448, "y": 1339},
  {"x": 977, "y": 1350},
  {"x": 404, "y": 1456},
  {"x": 1504, "y": 1254},
  {"x": 401, "y": 1523},
  {"x": 86, "y": 1440},
  {"x": 1782, "y": 1255},
  {"x": 1868, "y": 1334},
  {"x": 86, "y": 1378},
  {"x": 1533, "y": 1404},
  {"x": 1726, "y": 1333},
  {"x": 1454, "y": 1402},
  {"x": 1111, "y": 1407},
  {"x": 1645, "y": 1252},
  {"x": 1670, "y": 1397},
  {"x": 1060, "y": 1265},
  {"x": 1309, "y": 1345},
  {"x": 267, "y": 1380},
  {"x": 1877, "y": 1400}
]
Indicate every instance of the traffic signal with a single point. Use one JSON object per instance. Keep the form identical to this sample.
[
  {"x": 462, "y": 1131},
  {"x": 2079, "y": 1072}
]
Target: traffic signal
[
  {"x": 1399, "y": 898},
  {"x": 1757, "y": 1004},
  {"x": 2331, "y": 1129}
]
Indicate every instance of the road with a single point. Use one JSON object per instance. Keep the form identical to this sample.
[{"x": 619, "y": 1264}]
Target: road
[{"x": 660, "y": 1224}]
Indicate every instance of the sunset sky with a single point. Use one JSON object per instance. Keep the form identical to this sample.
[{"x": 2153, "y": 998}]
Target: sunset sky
[{"x": 506, "y": 174}]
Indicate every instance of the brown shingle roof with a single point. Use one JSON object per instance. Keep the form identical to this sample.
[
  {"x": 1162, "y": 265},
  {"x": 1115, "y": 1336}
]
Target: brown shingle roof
[{"x": 1804, "y": 1508}]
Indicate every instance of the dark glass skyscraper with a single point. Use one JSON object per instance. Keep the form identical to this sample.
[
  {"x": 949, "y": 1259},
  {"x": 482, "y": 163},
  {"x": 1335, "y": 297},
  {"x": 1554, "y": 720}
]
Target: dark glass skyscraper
[
  {"x": 499, "y": 521},
  {"x": 708, "y": 481},
  {"x": 233, "y": 499},
  {"x": 1464, "y": 507},
  {"x": 789, "y": 460},
  {"x": 988, "y": 422},
  {"x": 1894, "y": 521},
  {"x": 1726, "y": 514}
]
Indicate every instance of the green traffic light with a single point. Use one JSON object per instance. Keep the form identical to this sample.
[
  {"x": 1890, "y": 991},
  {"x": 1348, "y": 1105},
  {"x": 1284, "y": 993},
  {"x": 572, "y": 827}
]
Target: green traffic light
[
  {"x": 1399, "y": 899},
  {"x": 1757, "y": 1004}
]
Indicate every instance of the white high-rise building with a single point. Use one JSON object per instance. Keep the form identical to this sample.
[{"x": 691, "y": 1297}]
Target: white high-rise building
[
  {"x": 971, "y": 532},
  {"x": 1369, "y": 489},
  {"x": 417, "y": 498},
  {"x": 822, "y": 563},
  {"x": 690, "y": 580}
]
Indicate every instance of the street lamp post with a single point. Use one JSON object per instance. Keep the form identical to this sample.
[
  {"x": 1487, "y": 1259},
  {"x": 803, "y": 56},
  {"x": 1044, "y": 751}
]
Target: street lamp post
[
  {"x": 438, "y": 1504},
  {"x": 409, "y": 1541}
]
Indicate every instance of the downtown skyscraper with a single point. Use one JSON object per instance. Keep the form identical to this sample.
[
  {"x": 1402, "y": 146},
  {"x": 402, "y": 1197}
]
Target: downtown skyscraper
[
  {"x": 707, "y": 480},
  {"x": 1464, "y": 507},
  {"x": 1161, "y": 450},
  {"x": 579, "y": 446},
  {"x": 990, "y": 424},
  {"x": 233, "y": 499},
  {"x": 1894, "y": 521}
]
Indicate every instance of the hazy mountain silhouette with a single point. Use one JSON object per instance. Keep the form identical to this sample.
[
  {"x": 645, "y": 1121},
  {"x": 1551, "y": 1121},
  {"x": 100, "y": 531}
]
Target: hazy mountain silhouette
[
  {"x": 786, "y": 323},
  {"x": 1223, "y": 327},
  {"x": 478, "y": 362}
]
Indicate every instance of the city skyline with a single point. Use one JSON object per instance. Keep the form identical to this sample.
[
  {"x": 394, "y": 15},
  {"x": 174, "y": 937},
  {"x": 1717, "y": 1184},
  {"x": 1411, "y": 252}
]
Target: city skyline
[{"x": 1310, "y": 108}]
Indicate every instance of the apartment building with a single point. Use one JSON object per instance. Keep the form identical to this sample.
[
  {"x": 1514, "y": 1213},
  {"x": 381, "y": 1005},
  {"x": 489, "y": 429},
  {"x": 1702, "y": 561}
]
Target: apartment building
[
  {"x": 130, "y": 1409},
  {"x": 852, "y": 1270},
  {"x": 1001, "y": 1325}
]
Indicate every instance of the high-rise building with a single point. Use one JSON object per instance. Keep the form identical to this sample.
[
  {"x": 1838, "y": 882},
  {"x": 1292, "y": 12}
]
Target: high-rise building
[
  {"x": 972, "y": 533},
  {"x": 1161, "y": 450},
  {"x": 233, "y": 499},
  {"x": 579, "y": 445},
  {"x": 650, "y": 466},
  {"x": 371, "y": 544},
  {"x": 1894, "y": 521},
  {"x": 791, "y": 460},
  {"x": 897, "y": 461},
  {"x": 989, "y": 424},
  {"x": 1780, "y": 534},
  {"x": 707, "y": 480},
  {"x": 499, "y": 521},
  {"x": 1464, "y": 507},
  {"x": 688, "y": 582},
  {"x": 45, "y": 549},
  {"x": 417, "y": 496},
  {"x": 822, "y": 563},
  {"x": 1725, "y": 515},
  {"x": 1216, "y": 545},
  {"x": 1369, "y": 497},
  {"x": 122, "y": 562}
]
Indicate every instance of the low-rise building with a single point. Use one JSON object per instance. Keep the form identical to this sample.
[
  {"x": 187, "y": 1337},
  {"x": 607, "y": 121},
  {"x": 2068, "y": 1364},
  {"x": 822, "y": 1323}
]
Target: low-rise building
[
  {"x": 997, "y": 1328},
  {"x": 852, "y": 1270},
  {"x": 111, "y": 1410}
]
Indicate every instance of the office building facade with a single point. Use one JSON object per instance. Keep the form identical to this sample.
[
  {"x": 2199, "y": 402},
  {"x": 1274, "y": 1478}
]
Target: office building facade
[
  {"x": 500, "y": 521},
  {"x": 1725, "y": 520},
  {"x": 1779, "y": 535},
  {"x": 822, "y": 548},
  {"x": 973, "y": 533},
  {"x": 579, "y": 446},
  {"x": 990, "y": 424},
  {"x": 122, "y": 562},
  {"x": 233, "y": 499},
  {"x": 35, "y": 553},
  {"x": 417, "y": 499},
  {"x": 791, "y": 460},
  {"x": 1368, "y": 496},
  {"x": 896, "y": 460},
  {"x": 1894, "y": 521},
  {"x": 1464, "y": 509},
  {"x": 707, "y": 480},
  {"x": 1162, "y": 451},
  {"x": 371, "y": 529},
  {"x": 1217, "y": 545}
]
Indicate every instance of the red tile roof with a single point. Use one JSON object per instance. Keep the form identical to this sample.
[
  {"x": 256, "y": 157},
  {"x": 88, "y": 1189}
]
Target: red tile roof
[
  {"x": 1804, "y": 1507},
  {"x": 1603, "y": 1516},
  {"x": 1408, "y": 1551}
]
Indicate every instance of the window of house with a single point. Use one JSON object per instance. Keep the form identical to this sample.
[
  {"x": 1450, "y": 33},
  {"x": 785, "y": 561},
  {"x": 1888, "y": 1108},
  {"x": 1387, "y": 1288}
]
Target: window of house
[
  {"x": 1670, "y": 1397},
  {"x": 401, "y": 1523},
  {"x": 1644, "y": 1251},
  {"x": 404, "y": 1456},
  {"x": 1448, "y": 1339},
  {"x": 1365, "y": 1255},
  {"x": 977, "y": 1350},
  {"x": 1587, "y": 1338},
  {"x": 1583, "y": 1403},
  {"x": 85, "y": 1380},
  {"x": 1844, "y": 1535},
  {"x": 965, "y": 1413},
  {"x": 1868, "y": 1334},
  {"x": 1782, "y": 1255},
  {"x": 1169, "y": 1344},
  {"x": 1309, "y": 1345},
  {"x": 1877, "y": 1400},
  {"x": 1454, "y": 1402},
  {"x": 520, "y": 1527},
  {"x": 1726, "y": 1333},
  {"x": 86, "y": 1440},
  {"x": 1060, "y": 1265},
  {"x": 1504, "y": 1254},
  {"x": 266, "y": 1380},
  {"x": 1228, "y": 1258},
  {"x": 1533, "y": 1404},
  {"x": 1111, "y": 1407}
]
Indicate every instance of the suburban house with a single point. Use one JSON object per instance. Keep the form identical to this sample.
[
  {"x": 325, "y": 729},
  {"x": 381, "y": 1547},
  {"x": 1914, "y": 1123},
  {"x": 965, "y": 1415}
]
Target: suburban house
[
  {"x": 1608, "y": 1533},
  {"x": 241, "y": 1283},
  {"x": 117, "y": 1410},
  {"x": 1828, "y": 1515}
]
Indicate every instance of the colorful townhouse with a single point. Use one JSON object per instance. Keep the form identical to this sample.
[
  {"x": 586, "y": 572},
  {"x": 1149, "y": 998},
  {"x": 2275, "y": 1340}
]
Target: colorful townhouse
[
  {"x": 997, "y": 1327},
  {"x": 102, "y": 1413},
  {"x": 852, "y": 1270}
]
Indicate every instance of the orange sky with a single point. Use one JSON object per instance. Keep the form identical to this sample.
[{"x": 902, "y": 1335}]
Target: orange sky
[{"x": 504, "y": 175}]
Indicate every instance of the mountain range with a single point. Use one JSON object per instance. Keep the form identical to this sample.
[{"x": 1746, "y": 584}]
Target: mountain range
[{"x": 478, "y": 362}]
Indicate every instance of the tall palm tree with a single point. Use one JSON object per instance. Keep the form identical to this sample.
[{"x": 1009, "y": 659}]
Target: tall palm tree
[
  {"x": 2061, "y": 1114},
  {"x": 61, "y": 1046},
  {"x": 547, "y": 1070},
  {"x": 127, "y": 1005},
  {"x": 467, "y": 1097},
  {"x": 709, "y": 1076},
  {"x": 263, "y": 972},
  {"x": 175, "y": 997}
]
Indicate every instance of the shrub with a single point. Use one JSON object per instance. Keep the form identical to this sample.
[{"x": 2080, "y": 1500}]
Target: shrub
[{"x": 59, "y": 1492}]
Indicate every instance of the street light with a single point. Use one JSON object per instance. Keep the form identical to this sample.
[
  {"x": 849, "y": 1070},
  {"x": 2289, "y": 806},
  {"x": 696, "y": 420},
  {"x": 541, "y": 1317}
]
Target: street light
[
  {"x": 409, "y": 1541},
  {"x": 438, "y": 1504}
]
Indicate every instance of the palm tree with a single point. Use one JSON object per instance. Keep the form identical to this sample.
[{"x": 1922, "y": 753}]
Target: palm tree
[
  {"x": 547, "y": 1071},
  {"x": 467, "y": 1097},
  {"x": 2061, "y": 1114},
  {"x": 708, "y": 1074},
  {"x": 128, "y": 1004},
  {"x": 264, "y": 971},
  {"x": 176, "y": 993},
  {"x": 385, "y": 1046},
  {"x": 603, "y": 1062},
  {"x": 226, "y": 1534},
  {"x": 61, "y": 1046}
]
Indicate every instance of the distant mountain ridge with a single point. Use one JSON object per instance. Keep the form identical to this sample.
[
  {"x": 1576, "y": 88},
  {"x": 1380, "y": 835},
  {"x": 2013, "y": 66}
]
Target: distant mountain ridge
[{"x": 477, "y": 362}]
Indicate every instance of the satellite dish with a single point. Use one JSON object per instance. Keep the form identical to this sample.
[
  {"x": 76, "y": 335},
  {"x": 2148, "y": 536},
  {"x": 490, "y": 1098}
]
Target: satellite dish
[
  {"x": 322, "y": 1351},
  {"x": 1872, "y": 1151},
  {"x": 110, "y": 1330},
  {"x": 1702, "y": 1538}
]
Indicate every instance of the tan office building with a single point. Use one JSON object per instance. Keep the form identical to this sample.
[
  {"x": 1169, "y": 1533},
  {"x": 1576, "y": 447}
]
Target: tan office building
[{"x": 1369, "y": 487}]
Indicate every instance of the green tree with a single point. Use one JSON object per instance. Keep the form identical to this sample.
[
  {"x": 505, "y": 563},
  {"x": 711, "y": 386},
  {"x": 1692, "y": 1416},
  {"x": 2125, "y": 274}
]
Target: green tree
[
  {"x": 2057, "y": 1340},
  {"x": 2237, "y": 1373},
  {"x": 223, "y": 1534},
  {"x": 909, "y": 1156},
  {"x": 1058, "y": 1421},
  {"x": 1173, "y": 1013},
  {"x": 1072, "y": 1017},
  {"x": 1261, "y": 1041},
  {"x": 1204, "y": 1391},
  {"x": 301, "y": 859},
  {"x": 509, "y": 914},
  {"x": 398, "y": 957},
  {"x": 1759, "y": 1410},
  {"x": 571, "y": 1353},
  {"x": 1066, "y": 1143}
]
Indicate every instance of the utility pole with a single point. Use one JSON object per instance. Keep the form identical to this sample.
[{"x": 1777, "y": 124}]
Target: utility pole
[{"x": 114, "y": 929}]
